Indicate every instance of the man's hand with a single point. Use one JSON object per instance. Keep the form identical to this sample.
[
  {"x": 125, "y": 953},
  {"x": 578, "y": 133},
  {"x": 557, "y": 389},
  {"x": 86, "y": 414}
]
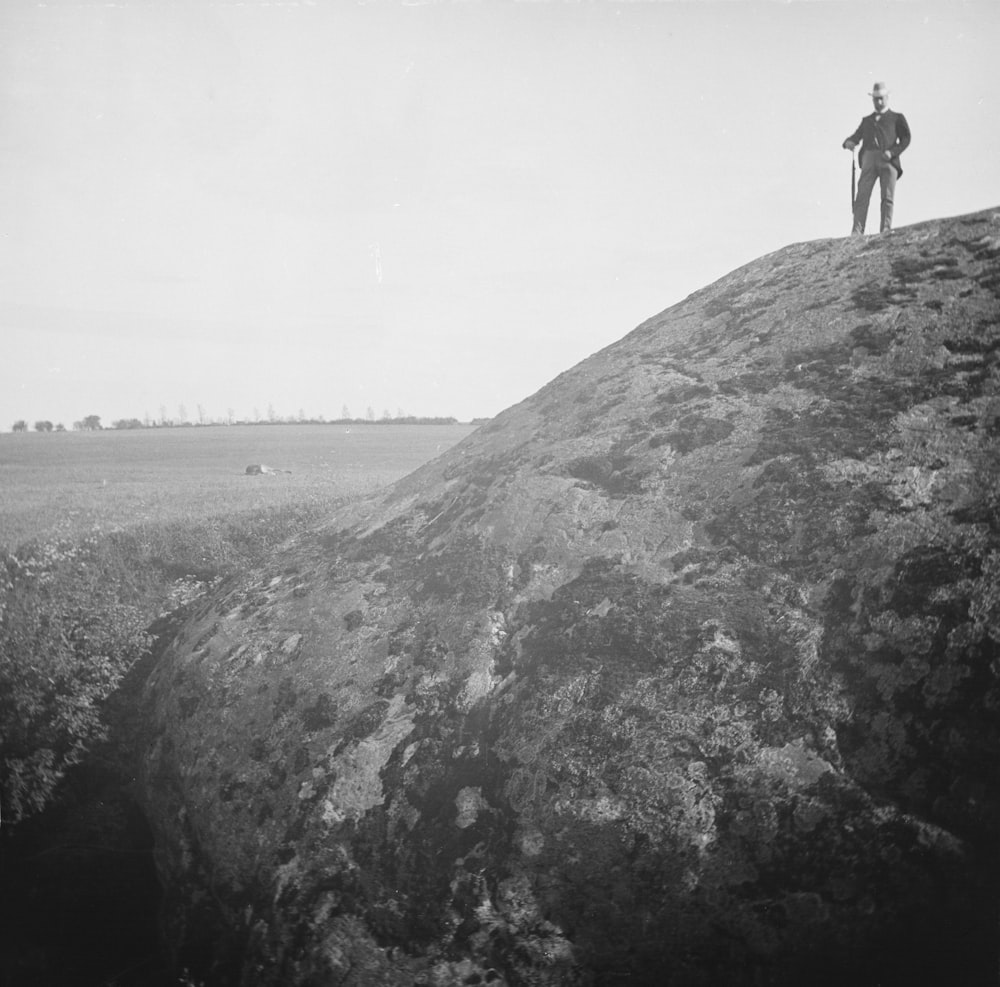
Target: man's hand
[{"x": 849, "y": 145}]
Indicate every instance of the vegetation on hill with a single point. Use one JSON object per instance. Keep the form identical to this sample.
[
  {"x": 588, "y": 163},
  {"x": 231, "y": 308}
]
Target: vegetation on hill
[{"x": 683, "y": 669}]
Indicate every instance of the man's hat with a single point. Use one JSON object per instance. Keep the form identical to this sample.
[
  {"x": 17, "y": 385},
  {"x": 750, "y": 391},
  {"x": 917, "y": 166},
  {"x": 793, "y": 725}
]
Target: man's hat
[{"x": 879, "y": 89}]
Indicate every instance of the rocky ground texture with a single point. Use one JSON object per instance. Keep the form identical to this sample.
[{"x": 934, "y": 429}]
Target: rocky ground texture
[{"x": 683, "y": 671}]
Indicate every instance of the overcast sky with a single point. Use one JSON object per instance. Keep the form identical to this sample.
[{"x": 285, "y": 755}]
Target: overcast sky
[{"x": 431, "y": 207}]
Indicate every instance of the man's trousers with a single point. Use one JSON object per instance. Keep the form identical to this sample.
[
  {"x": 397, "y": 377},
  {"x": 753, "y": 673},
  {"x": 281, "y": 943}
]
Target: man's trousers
[{"x": 874, "y": 165}]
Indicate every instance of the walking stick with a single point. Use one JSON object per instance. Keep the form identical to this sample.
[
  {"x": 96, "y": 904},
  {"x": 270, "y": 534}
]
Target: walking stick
[{"x": 854, "y": 181}]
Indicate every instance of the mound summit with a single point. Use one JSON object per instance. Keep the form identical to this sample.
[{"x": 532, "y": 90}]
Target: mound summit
[{"x": 682, "y": 671}]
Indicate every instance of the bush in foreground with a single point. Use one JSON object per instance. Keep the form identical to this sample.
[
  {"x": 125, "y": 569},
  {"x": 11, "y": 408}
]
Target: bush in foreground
[
  {"x": 66, "y": 641},
  {"x": 74, "y": 618}
]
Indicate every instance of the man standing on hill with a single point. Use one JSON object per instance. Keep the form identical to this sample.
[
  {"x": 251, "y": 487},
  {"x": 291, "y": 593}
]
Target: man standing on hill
[{"x": 883, "y": 137}]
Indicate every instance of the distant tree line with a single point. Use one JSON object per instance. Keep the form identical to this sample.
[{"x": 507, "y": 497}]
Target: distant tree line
[
  {"x": 43, "y": 426},
  {"x": 92, "y": 423}
]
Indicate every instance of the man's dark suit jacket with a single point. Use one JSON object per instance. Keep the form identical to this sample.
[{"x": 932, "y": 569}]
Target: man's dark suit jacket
[{"x": 891, "y": 133}]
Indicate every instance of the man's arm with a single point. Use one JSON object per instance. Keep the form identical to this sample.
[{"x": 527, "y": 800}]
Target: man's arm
[
  {"x": 902, "y": 135},
  {"x": 855, "y": 139}
]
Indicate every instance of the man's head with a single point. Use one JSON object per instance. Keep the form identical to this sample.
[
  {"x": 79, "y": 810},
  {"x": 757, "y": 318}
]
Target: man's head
[{"x": 880, "y": 96}]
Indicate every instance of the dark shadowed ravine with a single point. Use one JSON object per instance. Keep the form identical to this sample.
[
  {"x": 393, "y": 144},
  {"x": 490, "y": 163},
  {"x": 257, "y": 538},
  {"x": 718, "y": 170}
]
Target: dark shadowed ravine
[{"x": 683, "y": 671}]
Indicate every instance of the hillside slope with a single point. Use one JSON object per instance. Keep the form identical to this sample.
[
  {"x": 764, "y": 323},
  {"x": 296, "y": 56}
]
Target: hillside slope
[{"x": 683, "y": 670}]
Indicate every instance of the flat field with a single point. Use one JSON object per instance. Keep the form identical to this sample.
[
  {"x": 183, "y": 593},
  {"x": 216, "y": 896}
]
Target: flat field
[{"x": 64, "y": 485}]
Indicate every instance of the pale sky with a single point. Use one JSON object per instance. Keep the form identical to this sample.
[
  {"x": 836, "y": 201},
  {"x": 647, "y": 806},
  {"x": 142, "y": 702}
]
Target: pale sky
[{"x": 430, "y": 206}]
